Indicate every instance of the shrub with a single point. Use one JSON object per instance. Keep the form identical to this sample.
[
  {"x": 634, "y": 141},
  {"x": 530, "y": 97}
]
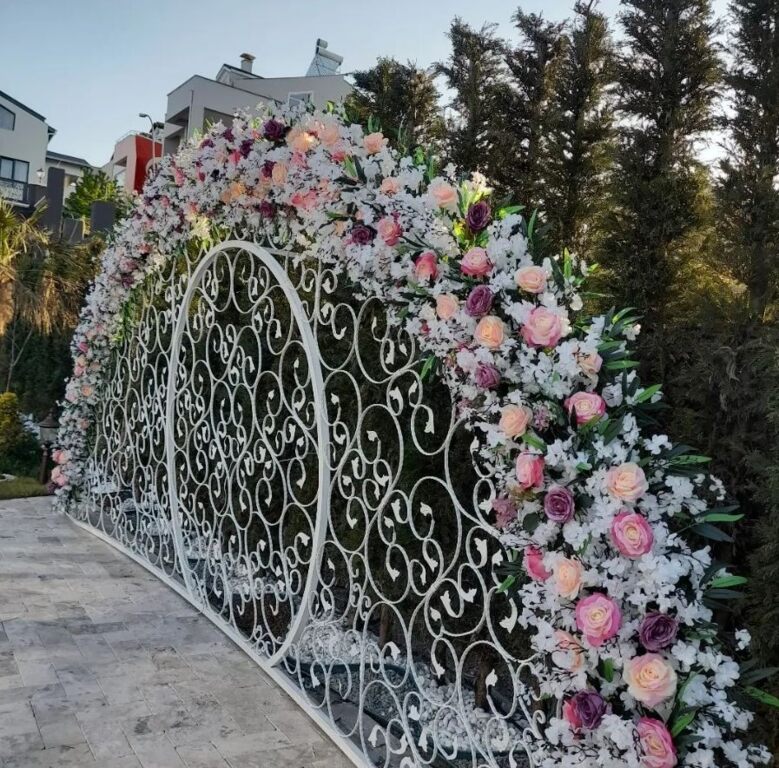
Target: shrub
[{"x": 19, "y": 450}]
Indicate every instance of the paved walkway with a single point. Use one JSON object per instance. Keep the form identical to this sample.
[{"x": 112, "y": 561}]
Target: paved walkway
[{"x": 103, "y": 665}]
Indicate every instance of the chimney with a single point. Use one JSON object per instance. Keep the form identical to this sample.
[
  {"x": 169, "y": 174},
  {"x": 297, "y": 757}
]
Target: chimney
[{"x": 246, "y": 62}]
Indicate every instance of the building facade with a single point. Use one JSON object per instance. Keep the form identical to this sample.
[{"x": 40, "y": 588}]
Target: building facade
[
  {"x": 24, "y": 141},
  {"x": 199, "y": 101},
  {"x": 74, "y": 168},
  {"x": 134, "y": 154}
]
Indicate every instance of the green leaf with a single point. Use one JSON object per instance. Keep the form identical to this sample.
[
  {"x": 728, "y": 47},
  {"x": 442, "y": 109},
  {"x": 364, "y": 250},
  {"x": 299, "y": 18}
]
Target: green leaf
[
  {"x": 723, "y": 594},
  {"x": 729, "y": 581},
  {"x": 762, "y": 696},
  {"x": 719, "y": 517},
  {"x": 507, "y": 583},
  {"x": 532, "y": 439},
  {"x": 428, "y": 367},
  {"x": 608, "y": 670},
  {"x": 621, "y": 365},
  {"x": 711, "y": 532},
  {"x": 648, "y": 393},
  {"x": 755, "y": 675},
  {"x": 682, "y": 722}
]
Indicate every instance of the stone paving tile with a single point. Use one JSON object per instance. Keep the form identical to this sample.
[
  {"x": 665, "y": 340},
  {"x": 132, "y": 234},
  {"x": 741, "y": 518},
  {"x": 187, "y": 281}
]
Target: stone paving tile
[{"x": 103, "y": 666}]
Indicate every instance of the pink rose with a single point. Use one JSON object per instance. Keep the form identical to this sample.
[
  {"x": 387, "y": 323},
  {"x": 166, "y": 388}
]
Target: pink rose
[
  {"x": 657, "y": 746},
  {"x": 329, "y": 134},
  {"x": 631, "y": 534},
  {"x": 475, "y": 263},
  {"x": 530, "y": 470},
  {"x": 374, "y": 142},
  {"x": 389, "y": 186},
  {"x": 83, "y": 347},
  {"x": 531, "y": 279},
  {"x": 568, "y": 574},
  {"x": 586, "y": 405},
  {"x": 514, "y": 420},
  {"x": 626, "y": 482},
  {"x": 598, "y": 618},
  {"x": 444, "y": 195},
  {"x": 569, "y": 654},
  {"x": 426, "y": 266},
  {"x": 533, "y": 560},
  {"x": 58, "y": 477},
  {"x": 446, "y": 305},
  {"x": 590, "y": 364},
  {"x": 571, "y": 715},
  {"x": 543, "y": 328},
  {"x": 389, "y": 230},
  {"x": 650, "y": 679},
  {"x": 490, "y": 332}
]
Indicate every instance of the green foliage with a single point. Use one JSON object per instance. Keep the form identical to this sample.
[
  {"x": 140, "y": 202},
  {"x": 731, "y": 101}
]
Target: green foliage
[
  {"x": 92, "y": 187},
  {"x": 580, "y": 141},
  {"x": 21, "y": 488},
  {"x": 402, "y": 99},
  {"x": 19, "y": 450}
]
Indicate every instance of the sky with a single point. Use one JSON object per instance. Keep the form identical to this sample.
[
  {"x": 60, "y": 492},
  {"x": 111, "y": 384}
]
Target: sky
[{"x": 90, "y": 66}]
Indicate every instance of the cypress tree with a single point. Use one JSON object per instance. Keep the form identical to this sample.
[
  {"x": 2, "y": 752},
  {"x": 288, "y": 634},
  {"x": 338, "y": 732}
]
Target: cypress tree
[
  {"x": 525, "y": 111},
  {"x": 475, "y": 73},
  {"x": 580, "y": 142},
  {"x": 667, "y": 75},
  {"x": 404, "y": 100}
]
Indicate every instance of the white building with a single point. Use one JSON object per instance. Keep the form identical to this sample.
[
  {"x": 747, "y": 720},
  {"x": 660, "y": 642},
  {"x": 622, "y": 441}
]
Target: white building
[
  {"x": 200, "y": 101},
  {"x": 74, "y": 168},
  {"x": 24, "y": 141}
]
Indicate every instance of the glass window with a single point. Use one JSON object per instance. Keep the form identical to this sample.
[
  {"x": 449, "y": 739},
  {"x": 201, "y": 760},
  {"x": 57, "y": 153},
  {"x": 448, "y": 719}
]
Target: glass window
[
  {"x": 21, "y": 170},
  {"x": 6, "y": 168},
  {"x": 7, "y": 119}
]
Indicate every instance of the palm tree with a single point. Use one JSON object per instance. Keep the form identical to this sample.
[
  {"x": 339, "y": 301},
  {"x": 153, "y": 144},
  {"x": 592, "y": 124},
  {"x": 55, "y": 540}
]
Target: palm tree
[{"x": 42, "y": 281}]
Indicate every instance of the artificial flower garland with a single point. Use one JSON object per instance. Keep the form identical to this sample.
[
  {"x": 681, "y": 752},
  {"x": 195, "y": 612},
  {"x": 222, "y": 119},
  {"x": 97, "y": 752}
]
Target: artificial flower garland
[{"x": 611, "y": 595}]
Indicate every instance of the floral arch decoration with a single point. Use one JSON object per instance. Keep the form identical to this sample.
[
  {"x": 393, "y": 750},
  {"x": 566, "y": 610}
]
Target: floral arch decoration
[{"x": 611, "y": 600}]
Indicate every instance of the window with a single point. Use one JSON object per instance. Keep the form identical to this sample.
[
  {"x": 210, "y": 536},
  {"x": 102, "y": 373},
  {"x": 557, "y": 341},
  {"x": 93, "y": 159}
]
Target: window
[
  {"x": 7, "y": 118},
  {"x": 299, "y": 99},
  {"x": 14, "y": 170}
]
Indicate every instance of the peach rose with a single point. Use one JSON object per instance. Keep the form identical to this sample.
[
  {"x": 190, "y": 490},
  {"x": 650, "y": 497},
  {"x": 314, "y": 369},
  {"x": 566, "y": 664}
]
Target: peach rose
[
  {"x": 530, "y": 470},
  {"x": 531, "y": 279},
  {"x": 446, "y": 305},
  {"x": 389, "y": 186},
  {"x": 569, "y": 655},
  {"x": 87, "y": 390},
  {"x": 374, "y": 142},
  {"x": 631, "y": 534},
  {"x": 568, "y": 577},
  {"x": 586, "y": 405},
  {"x": 514, "y": 420},
  {"x": 389, "y": 230},
  {"x": 543, "y": 328},
  {"x": 475, "y": 263},
  {"x": 626, "y": 482},
  {"x": 426, "y": 266},
  {"x": 590, "y": 364},
  {"x": 533, "y": 560},
  {"x": 329, "y": 134},
  {"x": 650, "y": 679},
  {"x": 301, "y": 141},
  {"x": 657, "y": 746},
  {"x": 444, "y": 195},
  {"x": 279, "y": 173},
  {"x": 490, "y": 332},
  {"x": 598, "y": 618}
]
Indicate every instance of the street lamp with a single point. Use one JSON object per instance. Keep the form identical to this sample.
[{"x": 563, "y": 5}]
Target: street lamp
[
  {"x": 155, "y": 126},
  {"x": 48, "y": 431}
]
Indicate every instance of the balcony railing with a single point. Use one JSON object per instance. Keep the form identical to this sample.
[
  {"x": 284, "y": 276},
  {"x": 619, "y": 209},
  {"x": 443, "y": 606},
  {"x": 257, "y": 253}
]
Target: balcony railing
[{"x": 15, "y": 191}]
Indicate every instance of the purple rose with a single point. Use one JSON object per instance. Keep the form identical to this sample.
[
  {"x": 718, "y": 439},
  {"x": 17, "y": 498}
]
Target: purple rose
[
  {"x": 505, "y": 511},
  {"x": 590, "y": 707},
  {"x": 246, "y": 147},
  {"x": 362, "y": 235},
  {"x": 658, "y": 631},
  {"x": 479, "y": 301},
  {"x": 479, "y": 216},
  {"x": 487, "y": 376},
  {"x": 228, "y": 134},
  {"x": 558, "y": 504},
  {"x": 267, "y": 169},
  {"x": 267, "y": 209},
  {"x": 273, "y": 130}
]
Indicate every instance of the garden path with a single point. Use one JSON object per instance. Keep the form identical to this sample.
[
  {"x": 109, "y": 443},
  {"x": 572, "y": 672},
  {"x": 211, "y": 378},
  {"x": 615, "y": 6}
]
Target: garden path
[{"x": 103, "y": 665}]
